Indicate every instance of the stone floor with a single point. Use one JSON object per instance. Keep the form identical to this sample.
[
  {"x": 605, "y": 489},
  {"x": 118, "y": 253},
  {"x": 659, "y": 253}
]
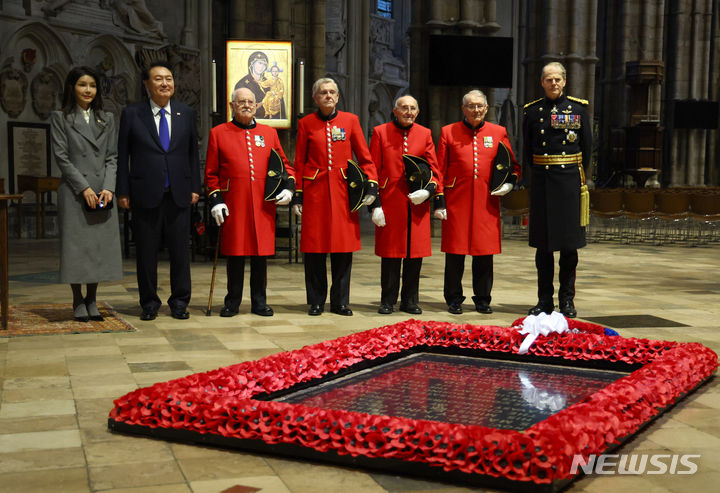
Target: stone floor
[{"x": 57, "y": 390}]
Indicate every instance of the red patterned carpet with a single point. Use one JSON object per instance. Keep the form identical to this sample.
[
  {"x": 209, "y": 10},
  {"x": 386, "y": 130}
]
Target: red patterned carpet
[{"x": 57, "y": 318}]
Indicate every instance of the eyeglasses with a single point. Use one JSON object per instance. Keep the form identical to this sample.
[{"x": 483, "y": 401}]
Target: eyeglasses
[
  {"x": 407, "y": 108},
  {"x": 243, "y": 102},
  {"x": 473, "y": 107}
]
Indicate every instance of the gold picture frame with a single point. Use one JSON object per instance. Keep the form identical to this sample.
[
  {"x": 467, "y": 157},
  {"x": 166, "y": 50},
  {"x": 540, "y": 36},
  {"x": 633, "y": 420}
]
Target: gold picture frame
[{"x": 266, "y": 68}]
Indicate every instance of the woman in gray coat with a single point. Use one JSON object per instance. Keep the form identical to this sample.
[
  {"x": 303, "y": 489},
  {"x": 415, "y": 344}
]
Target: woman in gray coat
[{"x": 84, "y": 141}]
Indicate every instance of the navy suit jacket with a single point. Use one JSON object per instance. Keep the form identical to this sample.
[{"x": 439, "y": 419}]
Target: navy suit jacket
[{"x": 142, "y": 160}]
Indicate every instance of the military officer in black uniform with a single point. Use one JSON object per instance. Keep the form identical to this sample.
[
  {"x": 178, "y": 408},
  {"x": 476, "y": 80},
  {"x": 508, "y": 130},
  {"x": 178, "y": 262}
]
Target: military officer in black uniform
[{"x": 557, "y": 145}]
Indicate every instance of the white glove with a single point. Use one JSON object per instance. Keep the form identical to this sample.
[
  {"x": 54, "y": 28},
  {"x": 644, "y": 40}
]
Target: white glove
[
  {"x": 219, "y": 212},
  {"x": 378, "y": 217},
  {"x": 284, "y": 197},
  {"x": 419, "y": 196},
  {"x": 504, "y": 189},
  {"x": 441, "y": 214},
  {"x": 368, "y": 199},
  {"x": 297, "y": 210}
]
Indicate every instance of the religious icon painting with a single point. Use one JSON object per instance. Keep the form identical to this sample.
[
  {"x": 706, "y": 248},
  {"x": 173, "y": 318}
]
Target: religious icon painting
[{"x": 264, "y": 67}]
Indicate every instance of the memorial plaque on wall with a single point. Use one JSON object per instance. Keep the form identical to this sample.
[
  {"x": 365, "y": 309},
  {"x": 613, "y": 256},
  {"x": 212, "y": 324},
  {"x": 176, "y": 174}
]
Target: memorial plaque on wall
[{"x": 28, "y": 150}]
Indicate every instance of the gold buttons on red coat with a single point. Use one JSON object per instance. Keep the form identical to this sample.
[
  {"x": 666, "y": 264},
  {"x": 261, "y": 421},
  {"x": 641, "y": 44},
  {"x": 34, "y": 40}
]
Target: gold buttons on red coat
[{"x": 405, "y": 142}]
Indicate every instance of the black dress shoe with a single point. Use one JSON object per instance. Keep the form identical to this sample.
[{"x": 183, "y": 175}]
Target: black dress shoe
[
  {"x": 410, "y": 308},
  {"x": 483, "y": 308},
  {"x": 541, "y": 308},
  {"x": 263, "y": 311},
  {"x": 455, "y": 308},
  {"x": 315, "y": 310},
  {"x": 148, "y": 315},
  {"x": 228, "y": 312},
  {"x": 342, "y": 310},
  {"x": 567, "y": 308},
  {"x": 181, "y": 314},
  {"x": 385, "y": 309}
]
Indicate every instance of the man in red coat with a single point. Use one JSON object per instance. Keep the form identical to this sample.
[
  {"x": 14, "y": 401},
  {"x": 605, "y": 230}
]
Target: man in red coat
[
  {"x": 235, "y": 171},
  {"x": 403, "y": 219},
  {"x": 472, "y": 218},
  {"x": 325, "y": 141}
]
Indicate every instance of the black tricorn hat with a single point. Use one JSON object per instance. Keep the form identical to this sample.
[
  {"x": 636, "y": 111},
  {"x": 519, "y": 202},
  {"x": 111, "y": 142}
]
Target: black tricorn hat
[
  {"x": 274, "y": 176},
  {"x": 356, "y": 183},
  {"x": 417, "y": 172},
  {"x": 501, "y": 168}
]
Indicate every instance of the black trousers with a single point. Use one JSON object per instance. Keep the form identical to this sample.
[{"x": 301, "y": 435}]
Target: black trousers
[
  {"x": 482, "y": 273},
  {"x": 148, "y": 226},
  {"x": 390, "y": 280},
  {"x": 236, "y": 277},
  {"x": 545, "y": 263},
  {"x": 316, "y": 278}
]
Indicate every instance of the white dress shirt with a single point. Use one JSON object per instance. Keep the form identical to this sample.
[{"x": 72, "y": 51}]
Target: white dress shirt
[{"x": 156, "y": 114}]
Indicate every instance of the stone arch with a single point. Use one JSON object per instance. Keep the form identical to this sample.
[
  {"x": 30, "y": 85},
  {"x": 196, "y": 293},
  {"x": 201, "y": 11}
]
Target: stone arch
[
  {"x": 46, "y": 66},
  {"x": 113, "y": 60},
  {"x": 53, "y": 51}
]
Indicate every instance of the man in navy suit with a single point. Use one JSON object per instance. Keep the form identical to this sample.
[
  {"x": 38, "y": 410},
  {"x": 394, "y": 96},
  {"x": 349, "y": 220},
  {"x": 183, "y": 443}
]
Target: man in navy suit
[{"x": 159, "y": 178}]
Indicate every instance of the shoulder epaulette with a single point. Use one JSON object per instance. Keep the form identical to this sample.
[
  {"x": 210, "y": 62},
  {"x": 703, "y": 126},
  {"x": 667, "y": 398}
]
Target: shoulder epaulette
[
  {"x": 532, "y": 103},
  {"x": 578, "y": 100}
]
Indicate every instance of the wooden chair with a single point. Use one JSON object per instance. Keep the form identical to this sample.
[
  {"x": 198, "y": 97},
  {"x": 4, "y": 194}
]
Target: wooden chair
[
  {"x": 638, "y": 215},
  {"x": 606, "y": 213},
  {"x": 672, "y": 216},
  {"x": 705, "y": 216}
]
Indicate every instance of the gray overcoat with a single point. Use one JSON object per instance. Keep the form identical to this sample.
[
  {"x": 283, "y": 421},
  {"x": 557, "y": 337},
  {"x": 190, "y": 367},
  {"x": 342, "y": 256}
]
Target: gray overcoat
[{"x": 86, "y": 154}]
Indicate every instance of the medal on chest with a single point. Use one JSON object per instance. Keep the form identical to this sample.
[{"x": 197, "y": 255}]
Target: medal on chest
[
  {"x": 259, "y": 141},
  {"x": 488, "y": 141},
  {"x": 565, "y": 121},
  {"x": 337, "y": 133}
]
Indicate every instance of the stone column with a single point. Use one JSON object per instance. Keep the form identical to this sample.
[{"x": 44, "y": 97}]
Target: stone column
[
  {"x": 471, "y": 16},
  {"x": 281, "y": 19},
  {"x": 316, "y": 65},
  {"x": 189, "y": 34},
  {"x": 203, "y": 14},
  {"x": 237, "y": 23}
]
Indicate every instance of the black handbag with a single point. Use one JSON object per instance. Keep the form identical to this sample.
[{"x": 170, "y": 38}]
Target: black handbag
[{"x": 98, "y": 208}]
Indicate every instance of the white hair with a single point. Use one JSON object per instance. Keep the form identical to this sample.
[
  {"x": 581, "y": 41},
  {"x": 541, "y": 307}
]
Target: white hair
[
  {"x": 236, "y": 91},
  {"x": 404, "y": 96},
  {"x": 475, "y": 93},
  {"x": 557, "y": 66},
  {"x": 321, "y": 81}
]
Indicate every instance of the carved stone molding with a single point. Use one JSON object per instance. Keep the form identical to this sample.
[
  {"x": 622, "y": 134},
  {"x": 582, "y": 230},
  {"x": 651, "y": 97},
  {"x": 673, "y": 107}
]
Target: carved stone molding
[
  {"x": 45, "y": 90},
  {"x": 13, "y": 89}
]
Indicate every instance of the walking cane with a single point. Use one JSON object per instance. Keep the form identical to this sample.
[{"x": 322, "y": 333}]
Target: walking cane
[{"x": 212, "y": 281}]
